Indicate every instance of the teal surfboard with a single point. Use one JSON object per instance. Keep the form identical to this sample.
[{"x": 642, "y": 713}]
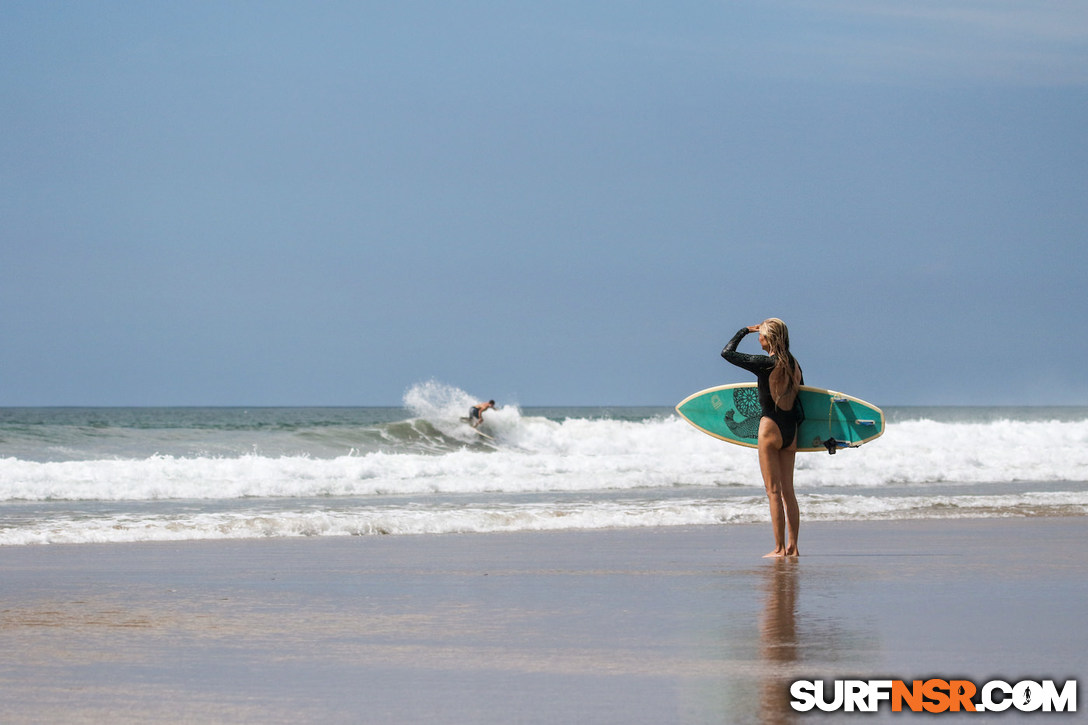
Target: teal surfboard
[{"x": 832, "y": 420}]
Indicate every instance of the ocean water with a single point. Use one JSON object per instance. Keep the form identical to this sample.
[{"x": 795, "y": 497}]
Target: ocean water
[{"x": 158, "y": 474}]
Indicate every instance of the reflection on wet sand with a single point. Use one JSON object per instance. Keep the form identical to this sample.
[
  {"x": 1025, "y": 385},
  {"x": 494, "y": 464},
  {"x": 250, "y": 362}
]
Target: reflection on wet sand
[{"x": 779, "y": 648}]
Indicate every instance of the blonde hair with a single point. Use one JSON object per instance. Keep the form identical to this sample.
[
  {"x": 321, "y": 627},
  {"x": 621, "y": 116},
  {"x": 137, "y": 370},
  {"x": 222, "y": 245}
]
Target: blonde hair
[{"x": 786, "y": 376}]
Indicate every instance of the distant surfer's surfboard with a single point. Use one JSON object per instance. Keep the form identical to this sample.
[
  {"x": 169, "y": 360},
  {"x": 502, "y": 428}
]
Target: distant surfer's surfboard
[
  {"x": 476, "y": 429},
  {"x": 832, "y": 420}
]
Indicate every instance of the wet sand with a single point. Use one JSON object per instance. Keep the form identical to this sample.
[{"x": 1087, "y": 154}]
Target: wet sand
[{"x": 670, "y": 625}]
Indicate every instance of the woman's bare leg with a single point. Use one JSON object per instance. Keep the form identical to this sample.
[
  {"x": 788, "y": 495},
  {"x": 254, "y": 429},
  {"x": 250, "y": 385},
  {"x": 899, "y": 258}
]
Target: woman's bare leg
[
  {"x": 786, "y": 459},
  {"x": 770, "y": 465}
]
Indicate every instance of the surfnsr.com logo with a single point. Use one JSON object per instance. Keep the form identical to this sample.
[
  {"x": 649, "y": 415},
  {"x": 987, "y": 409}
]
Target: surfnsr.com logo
[{"x": 934, "y": 695}]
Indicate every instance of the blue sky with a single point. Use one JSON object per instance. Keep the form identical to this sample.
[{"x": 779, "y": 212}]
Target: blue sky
[{"x": 548, "y": 203}]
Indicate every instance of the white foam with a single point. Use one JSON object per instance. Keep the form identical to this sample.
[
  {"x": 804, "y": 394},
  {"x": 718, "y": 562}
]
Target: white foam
[
  {"x": 403, "y": 519},
  {"x": 432, "y": 474},
  {"x": 537, "y": 454}
]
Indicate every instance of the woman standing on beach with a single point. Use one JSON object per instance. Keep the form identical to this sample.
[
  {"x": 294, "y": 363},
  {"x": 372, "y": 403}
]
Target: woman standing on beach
[{"x": 778, "y": 376}]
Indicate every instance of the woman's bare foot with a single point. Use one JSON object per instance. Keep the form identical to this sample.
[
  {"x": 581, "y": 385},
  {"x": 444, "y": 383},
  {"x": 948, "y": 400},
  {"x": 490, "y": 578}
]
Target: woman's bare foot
[{"x": 776, "y": 554}]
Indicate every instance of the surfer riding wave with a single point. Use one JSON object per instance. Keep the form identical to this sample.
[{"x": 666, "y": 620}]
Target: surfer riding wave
[
  {"x": 778, "y": 377},
  {"x": 476, "y": 413}
]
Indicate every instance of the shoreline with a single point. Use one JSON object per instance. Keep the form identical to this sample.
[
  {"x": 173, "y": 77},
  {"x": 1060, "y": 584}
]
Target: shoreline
[{"x": 676, "y": 624}]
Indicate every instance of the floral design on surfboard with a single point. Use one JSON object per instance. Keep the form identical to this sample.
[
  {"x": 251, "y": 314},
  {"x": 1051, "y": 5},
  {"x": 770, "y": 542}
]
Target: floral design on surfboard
[{"x": 746, "y": 401}]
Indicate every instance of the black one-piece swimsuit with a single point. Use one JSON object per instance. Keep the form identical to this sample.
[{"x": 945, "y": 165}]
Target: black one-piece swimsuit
[{"x": 762, "y": 365}]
